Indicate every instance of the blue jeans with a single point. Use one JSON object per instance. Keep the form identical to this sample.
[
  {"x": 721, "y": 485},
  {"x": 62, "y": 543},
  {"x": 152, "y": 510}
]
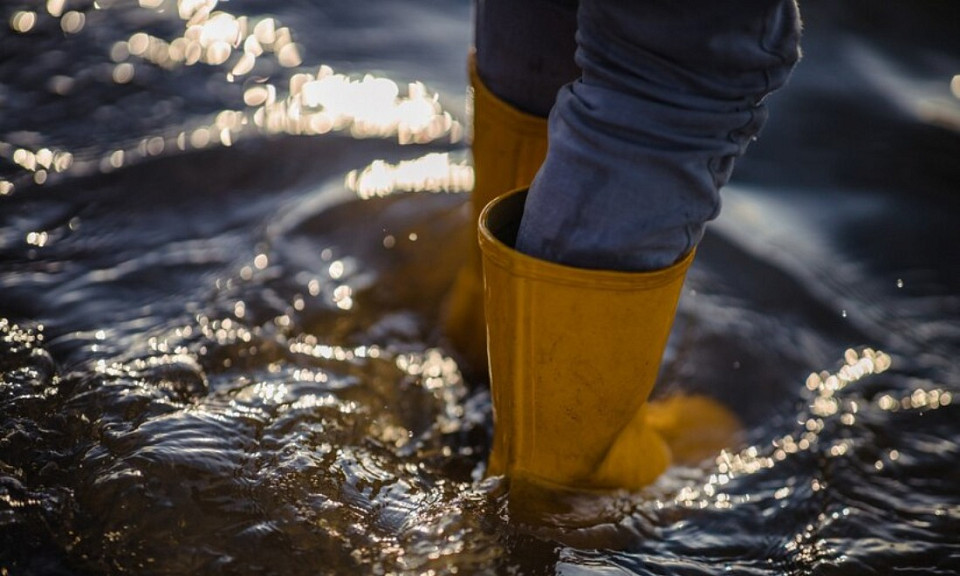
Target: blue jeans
[{"x": 649, "y": 107}]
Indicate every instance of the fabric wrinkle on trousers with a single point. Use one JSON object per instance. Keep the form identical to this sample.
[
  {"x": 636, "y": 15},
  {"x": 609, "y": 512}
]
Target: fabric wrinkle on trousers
[
  {"x": 670, "y": 94},
  {"x": 525, "y": 50}
]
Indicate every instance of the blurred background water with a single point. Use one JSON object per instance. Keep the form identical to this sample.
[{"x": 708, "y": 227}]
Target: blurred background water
[{"x": 225, "y": 233}]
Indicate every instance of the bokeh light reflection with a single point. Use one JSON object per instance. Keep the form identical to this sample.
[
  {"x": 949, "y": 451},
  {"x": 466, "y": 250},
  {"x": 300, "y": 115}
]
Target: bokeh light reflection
[
  {"x": 431, "y": 173},
  {"x": 55, "y": 7},
  {"x": 277, "y": 95},
  {"x": 23, "y": 21},
  {"x": 73, "y": 22},
  {"x": 369, "y": 107},
  {"x": 825, "y": 408}
]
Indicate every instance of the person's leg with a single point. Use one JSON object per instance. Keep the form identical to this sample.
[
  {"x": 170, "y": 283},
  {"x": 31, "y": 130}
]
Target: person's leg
[
  {"x": 525, "y": 50},
  {"x": 639, "y": 147},
  {"x": 524, "y": 54}
]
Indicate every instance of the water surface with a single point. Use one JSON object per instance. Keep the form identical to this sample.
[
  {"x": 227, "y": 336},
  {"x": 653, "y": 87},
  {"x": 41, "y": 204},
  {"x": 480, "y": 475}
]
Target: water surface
[{"x": 221, "y": 268}]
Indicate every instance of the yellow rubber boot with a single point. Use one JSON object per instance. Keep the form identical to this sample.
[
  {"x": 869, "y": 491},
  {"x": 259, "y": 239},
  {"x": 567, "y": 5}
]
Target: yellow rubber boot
[
  {"x": 694, "y": 426},
  {"x": 574, "y": 355},
  {"x": 508, "y": 148}
]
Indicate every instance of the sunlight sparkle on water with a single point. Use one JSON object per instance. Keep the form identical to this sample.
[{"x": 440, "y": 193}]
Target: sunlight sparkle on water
[
  {"x": 55, "y": 7},
  {"x": 73, "y": 22},
  {"x": 38, "y": 239},
  {"x": 23, "y": 21},
  {"x": 314, "y": 102},
  {"x": 825, "y": 406},
  {"x": 38, "y": 163},
  {"x": 430, "y": 173},
  {"x": 336, "y": 269},
  {"x": 343, "y": 297},
  {"x": 309, "y": 345},
  {"x": 123, "y": 73}
]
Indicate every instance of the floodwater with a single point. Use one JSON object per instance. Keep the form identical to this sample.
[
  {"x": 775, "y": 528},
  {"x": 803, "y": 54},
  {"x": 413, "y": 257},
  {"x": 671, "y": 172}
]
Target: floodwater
[{"x": 225, "y": 233}]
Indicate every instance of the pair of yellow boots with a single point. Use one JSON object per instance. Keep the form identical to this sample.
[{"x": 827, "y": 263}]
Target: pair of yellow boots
[{"x": 573, "y": 353}]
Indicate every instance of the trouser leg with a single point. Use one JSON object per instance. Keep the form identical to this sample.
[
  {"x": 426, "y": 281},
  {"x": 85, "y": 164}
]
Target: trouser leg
[
  {"x": 671, "y": 94},
  {"x": 525, "y": 50},
  {"x": 524, "y": 54}
]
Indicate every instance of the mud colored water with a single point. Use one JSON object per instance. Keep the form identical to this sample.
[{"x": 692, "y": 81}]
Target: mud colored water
[{"x": 225, "y": 235}]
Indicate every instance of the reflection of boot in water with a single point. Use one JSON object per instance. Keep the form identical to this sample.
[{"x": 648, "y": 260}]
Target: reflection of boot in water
[{"x": 508, "y": 148}]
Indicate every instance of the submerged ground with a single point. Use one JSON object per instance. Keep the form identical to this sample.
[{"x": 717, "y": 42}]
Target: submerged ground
[{"x": 224, "y": 238}]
